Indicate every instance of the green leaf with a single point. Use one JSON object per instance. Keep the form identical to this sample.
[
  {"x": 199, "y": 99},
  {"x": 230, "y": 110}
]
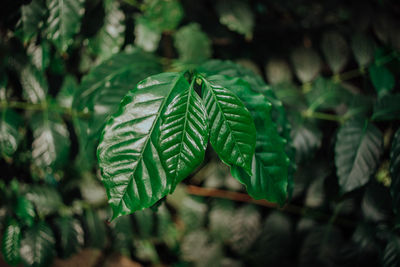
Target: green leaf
[
  {"x": 50, "y": 147},
  {"x": 103, "y": 88},
  {"x": 307, "y": 64},
  {"x": 395, "y": 171},
  {"x": 129, "y": 162},
  {"x": 306, "y": 138},
  {"x": 163, "y": 15},
  {"x": 382, "y": 79},
  {"x": 95, "y": 229},
  {"x": 192, "y": 44},
  {"x": 237, "y": 16},
  {"x": 387, "y": 108},
  {"x": 40, "y": 55},
  {"x": 232, "y": 130},
  {"x": 38, "y": 246},
  {"x": 122, "y": 232},
  {"x": 66, "y": 95},
  {"x": 71, "y": 235},
  {"x": 391, "y": 254},
  {"x": 32, "y": 17},
  {"x": 336, "y": 51},
  {"x": 34, "y": 84},
  {"x": 183, "y": 135},
  {"x": 10, "y": 137},
  {"x": 144, "y": 223},
  {"x": 64, "y": 21},
  {"x": 358, "y": 149},
  {"x": 11, "y": 243},
  {"x": 278, "y": 71},
  {"x": 363, "y": 49},
  {"x": 111, "y": 36},
  {"x": 25, "y": 210},
  {"x": 46, "y": 199},
  {"x": 146, "y": 37}
]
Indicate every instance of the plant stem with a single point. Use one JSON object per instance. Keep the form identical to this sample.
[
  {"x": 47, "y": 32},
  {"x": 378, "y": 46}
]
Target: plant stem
[{"x": 322, "y": 116}]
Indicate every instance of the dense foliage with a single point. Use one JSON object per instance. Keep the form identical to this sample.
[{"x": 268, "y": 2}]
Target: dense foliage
[{"x": 227, "y": 133}]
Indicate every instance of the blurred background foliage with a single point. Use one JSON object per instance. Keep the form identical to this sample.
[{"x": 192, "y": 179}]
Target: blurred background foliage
[{"x": 334, "y": 65}]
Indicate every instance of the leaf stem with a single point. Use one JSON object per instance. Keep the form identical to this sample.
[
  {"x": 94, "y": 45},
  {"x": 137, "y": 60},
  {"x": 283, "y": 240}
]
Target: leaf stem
[{"x": 323, "y": 116}]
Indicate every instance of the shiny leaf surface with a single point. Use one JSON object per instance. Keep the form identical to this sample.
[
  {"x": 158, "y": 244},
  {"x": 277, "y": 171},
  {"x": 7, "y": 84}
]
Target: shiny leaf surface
[
  {"x": 34, "y": 85},
  {"x": 25, "y": 210},
  {"x": 32, "y": 16},
  {"x": 11, "y": 243},
  {"x": 358, "y": 149},
  {"x": 232, "y": 130},
  {"x": 130, "y": 164},
  {"x": 10, "y": 137},
  {"x": 183, "y": 135}
]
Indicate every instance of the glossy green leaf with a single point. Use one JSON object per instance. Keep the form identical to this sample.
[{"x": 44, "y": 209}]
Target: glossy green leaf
[
  {"x": 363, "y": 49},
  {"x": 307, "y": 64},
  {"x": 395, "y": 171},
  {"x": 382, "y": 79},
  {"x": 34, "y": 84},
  {"x": 163, "y": 15},
  {"x": 70, "y": 235},
  {"x": 387, "y": 108},
  {"x": 111, "y": 36},
  {"x": 232, "y": 130},
  {"x": 146, "y": 37},
  {"x": 192, "y": 44},
  {"x": 95, "y": 229},
  {"x": 46, "y": 199},
  {"x": 358, "y": 149},
  {"x": 336, "y": 51},
  {"x": 130, "y": 164},
  {"x": 11, "y": 243},
  {"x": 183, "y": 135},
  {"x": 10, "y": 136},
  {"x": 237, "y": 16},
  {"x": 32, "y": 16},
  {"x": 391, "y": 254},
  {"x": 51, "y": 144},
  {"x": 38, "y": 246},
  {"x": 64, "y": 21},
  {"x": 25, "y": 210}
]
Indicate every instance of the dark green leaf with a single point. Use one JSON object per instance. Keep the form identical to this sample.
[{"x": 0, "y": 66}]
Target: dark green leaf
[
  {"x": 387, "y": 108},
  {"x": 358, "y": 149},
  {"x": 183, "y": 135},
  {"x": 50, "y": 147},
  {"x": 382, "y": 79},
  {"x": 395, "y": 171},
  {"x": 163, "y": 15},
  {"x": 11, "y": 243},
  {"x": 95, "y": 230},
  {"x": 336, "y": 51},
  {"x": 111, "y": 36},
  {"x": 34, "y": 84},
  {"x": 130, "y": 164},
  {"x": 46, "y": 199},
  {"x": 391, "y": 254},
  {"x": 64, "y": 21},
  {"x": 38, "y": 246},
  {"x": 192, "y": 44},
  {"x": 25, "y": 211},
  {"x": 237, "y": 16},
  {"x": 306, "y": 138},
  {"x": 232, "y": 130},
  {"x": 71, "y": 236},
  {"x": 10, "y": 137},
  {"x": 32, "y": 17}
]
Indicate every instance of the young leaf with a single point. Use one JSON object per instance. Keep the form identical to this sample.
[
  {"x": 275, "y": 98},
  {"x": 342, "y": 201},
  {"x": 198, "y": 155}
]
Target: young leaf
[
  {"x": 307, "y": 64},
  {"x": 64, "y": 21},
  {"x": 32, "y": 16},
  {"x": 395, "y": 171},
  {"x": 336, "y": 51},
  {"x": 358, "y": 149},
  {"x": 382, "y": 79},
  {"x": 387, "y": 108},
  {"x": 111, "y": 36},
  {"x": 38, "y": 246},
  {"x": 129, "y": 162},
  {"x": 71, "y": 235},
  {"x": 363, "y": 49},
  {"x": 237, "y": 16},
  {"x": 232, "y": 130},
  {"x": 50, "y": 147},
  {"x": 95, "y": 229},
  {"x": 183, "y": 135},
  {"x": 11, "y": 243},
  {"x": 192, "y": 44},
  {"x": 10, "y": 137}
]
